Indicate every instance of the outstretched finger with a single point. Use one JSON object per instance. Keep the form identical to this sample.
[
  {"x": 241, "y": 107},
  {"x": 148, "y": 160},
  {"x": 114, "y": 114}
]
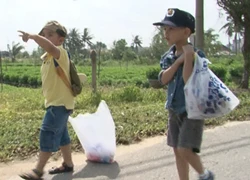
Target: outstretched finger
[{"x": 21, "y": 32}]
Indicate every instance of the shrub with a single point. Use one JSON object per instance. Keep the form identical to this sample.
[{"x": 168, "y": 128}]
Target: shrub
[
  {"x": 6, "y": 78},
  {"x": 14, "y": 79},
  {"x": 24, "y": 79},
  {"x": 152, "y": 73},
  {"x": 32, "y": 81},
  {"x": 220, "y": 71},
  {"x": 127, "y": 94},
  {"x": 236, "y": 71}
]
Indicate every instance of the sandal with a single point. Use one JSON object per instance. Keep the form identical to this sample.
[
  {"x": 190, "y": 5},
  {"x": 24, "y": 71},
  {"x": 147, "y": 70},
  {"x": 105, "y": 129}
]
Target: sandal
[
  {"x": 63, "y": 169},
  {"x": 29, "y": 176}
]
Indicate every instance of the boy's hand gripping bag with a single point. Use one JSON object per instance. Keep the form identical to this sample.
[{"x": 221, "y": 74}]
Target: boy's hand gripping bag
[
  {"x": 96, "y": 133},
  {"x": 206, "y": 96}
]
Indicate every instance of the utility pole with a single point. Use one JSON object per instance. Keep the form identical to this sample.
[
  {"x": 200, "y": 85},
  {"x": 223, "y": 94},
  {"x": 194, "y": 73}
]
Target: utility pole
[
  {"x": 199, "y": 25},
  {"x": 1, "y": 71}
]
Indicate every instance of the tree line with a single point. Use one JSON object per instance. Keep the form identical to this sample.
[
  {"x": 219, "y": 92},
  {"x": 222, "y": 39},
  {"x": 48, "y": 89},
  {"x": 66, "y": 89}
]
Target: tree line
[{"x": 79, "y": 45}]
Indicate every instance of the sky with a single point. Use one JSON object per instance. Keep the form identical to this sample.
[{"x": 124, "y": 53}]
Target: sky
[{"x": 107, "y": 20}]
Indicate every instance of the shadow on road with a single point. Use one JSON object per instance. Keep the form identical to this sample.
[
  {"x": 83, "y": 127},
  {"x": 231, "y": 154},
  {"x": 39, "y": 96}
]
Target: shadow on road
[
  {"x": 92, "y": 170},
  {"x": 169, "y": 159},
  {"x": 112, "y": 171}
]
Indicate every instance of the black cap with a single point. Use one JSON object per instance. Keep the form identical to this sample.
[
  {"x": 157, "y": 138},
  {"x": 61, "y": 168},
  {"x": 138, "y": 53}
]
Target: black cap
[{"x": 178, "y": 18}]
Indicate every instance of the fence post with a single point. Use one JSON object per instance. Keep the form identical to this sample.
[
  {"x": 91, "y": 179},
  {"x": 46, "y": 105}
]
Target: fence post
[
  {"x": 93, "y": 60},
  {"x": 99, "y": 61}
]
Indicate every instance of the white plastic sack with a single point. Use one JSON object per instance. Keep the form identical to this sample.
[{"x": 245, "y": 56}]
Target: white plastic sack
[
  {"x": 96, "y": 133},
  {"x": 206, "y": 95}
]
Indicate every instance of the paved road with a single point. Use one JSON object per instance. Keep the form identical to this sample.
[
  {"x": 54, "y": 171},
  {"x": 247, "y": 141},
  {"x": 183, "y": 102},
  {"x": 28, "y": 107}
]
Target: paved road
[{"x": 226, "y": 151}]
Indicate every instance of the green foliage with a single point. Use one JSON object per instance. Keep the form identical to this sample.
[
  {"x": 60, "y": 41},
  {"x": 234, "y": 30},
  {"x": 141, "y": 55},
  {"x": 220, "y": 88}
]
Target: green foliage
[
  {"x": 22, "y": 55},
  {"x": 74, "y": 44},
  {"x": 23, "y": 75},
  {"x": 158, "y": 45},
  {"x": 87, "y": 37},
  {"x": 129, "y": 55},
  {"x": 153, "y": 73},
  {"x": 113, "y": 73},
  {"x": 212, "y": 44},
  {"x": 137, "y": 42},
  {"x": 127, "y": 94},
  {"x": 14, "y": 50},
  {"x": 238, "y": 15},
  {"x": 219, "y": 70},
  {"x": 132, "y": 108},
  {"x": 137, "y": 113},
  {"x": 119, "y": 49},
  {"x": 236, "y": 71}
]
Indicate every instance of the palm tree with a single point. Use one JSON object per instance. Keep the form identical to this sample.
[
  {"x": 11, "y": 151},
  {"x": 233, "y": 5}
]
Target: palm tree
[
  {"x": 239, "y": 11},
  {"x": 230, "y": 28},
  {"x": 15, "y": 50},
  {"x": 137, "y": 42},
  {"x": 100, "y": 45},
  {"x": 86, "y": 38},
  {"x": 74, "y": 43},
  {"x": 229, "y": 31},
  {"x": 158, "y": 45},
  {"x": 212, "y": 44}
]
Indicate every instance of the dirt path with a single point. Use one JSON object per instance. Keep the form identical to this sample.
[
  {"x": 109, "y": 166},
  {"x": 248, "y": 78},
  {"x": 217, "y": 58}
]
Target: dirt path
[
  {"x": 6, "y": 169},
  {"x": 225, "y": 150}
]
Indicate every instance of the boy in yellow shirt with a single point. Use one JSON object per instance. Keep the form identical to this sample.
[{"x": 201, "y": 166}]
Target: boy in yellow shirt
[{"x": 59, "y": 100}]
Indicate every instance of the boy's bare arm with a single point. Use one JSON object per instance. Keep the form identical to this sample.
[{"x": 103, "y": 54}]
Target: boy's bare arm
[
  {"x": 168, "y": 74},
  {"x": 188, "y": 63},
  {"x": 48, "y": 46}
]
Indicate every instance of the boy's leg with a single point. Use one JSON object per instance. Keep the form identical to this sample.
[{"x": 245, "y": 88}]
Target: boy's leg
[
  {"x": 48, "y": 143},
  {"x": 182, "y": 166},
  {"x": 37, "y": 173},
  {"x": 189, "y": 143},
  {"x": 174, "y": 125},
  {"x": 65, "y": 147},
  {"x": 50, "y": 134},
  {"x": 42, "y": 160},
  {"x": 192, "y": 158},
  {"x": 66, "y": 153},
  {"x": 67, "y": 159}
]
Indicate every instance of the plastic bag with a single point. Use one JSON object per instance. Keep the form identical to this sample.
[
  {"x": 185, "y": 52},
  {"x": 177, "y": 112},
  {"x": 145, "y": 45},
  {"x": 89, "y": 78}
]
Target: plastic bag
[
  {"x": 96, "y": 133},
  {"x": 206, "y": 96}
]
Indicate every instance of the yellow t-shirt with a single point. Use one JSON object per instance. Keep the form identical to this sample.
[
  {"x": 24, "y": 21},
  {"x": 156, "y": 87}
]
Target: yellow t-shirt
[{"x": 55, "y": 91}]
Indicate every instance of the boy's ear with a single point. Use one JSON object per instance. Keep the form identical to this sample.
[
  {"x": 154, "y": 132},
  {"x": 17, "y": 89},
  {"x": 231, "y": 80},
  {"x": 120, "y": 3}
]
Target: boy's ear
[
  {"x": 188, "y": 32},
  {"x": 61, "y": 39}
]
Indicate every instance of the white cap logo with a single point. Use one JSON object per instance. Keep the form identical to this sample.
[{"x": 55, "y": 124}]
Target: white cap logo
[{"x": 170, "y": 12}]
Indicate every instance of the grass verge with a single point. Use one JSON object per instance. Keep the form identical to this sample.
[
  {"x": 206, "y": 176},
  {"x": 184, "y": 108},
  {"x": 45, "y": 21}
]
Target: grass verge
[{"x": 138, "y": 113}]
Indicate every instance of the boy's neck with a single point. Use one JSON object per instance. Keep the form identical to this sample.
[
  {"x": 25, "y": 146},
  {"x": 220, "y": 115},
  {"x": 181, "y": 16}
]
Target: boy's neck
[
  {"x": 59, "y": 44},
  {"x": 178, "y": 47}
]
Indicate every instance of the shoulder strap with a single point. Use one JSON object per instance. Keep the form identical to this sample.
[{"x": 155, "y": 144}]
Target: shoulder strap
[{"x": 61, "y": 73}]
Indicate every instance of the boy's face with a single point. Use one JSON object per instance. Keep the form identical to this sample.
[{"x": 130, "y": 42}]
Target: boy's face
[
  {"x": 52, "y": 36},
  {"x": 175, "y": 35}
]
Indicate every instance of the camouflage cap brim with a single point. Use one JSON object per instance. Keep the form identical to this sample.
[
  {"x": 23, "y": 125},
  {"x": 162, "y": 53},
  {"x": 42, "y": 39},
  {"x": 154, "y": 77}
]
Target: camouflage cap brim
[{"x": 55, "y": 27}]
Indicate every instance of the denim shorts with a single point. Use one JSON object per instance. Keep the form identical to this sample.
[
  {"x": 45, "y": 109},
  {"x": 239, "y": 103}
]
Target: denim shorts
[{"x": 54, "y": 130}]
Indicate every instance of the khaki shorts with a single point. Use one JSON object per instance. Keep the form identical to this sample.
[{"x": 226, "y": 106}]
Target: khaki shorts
[{"x": 184, "y": 132}]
